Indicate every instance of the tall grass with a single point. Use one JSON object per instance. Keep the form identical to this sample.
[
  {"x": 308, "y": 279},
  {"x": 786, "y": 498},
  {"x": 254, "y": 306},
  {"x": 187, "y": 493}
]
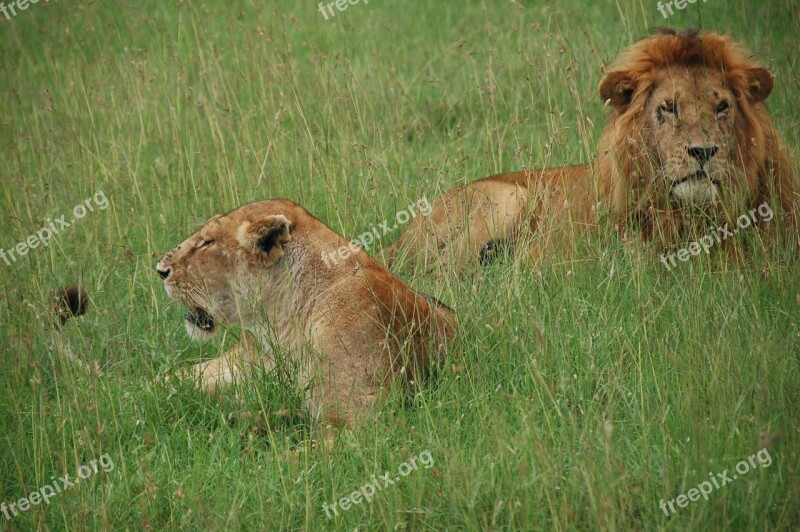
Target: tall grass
[{"x": 581, "y": 392}]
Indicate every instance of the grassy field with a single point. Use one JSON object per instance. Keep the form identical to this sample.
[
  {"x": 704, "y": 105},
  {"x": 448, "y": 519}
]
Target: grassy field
[{"x": 587, "y": 390}]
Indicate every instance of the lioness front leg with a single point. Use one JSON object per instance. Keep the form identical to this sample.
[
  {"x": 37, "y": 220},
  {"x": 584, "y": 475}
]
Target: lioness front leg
[
  {"x": 341, "y": 389},
  {"x": 229, "y": 367}
]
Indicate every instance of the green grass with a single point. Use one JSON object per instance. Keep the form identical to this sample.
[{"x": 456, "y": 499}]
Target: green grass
[{"x": 587, "y": 390}]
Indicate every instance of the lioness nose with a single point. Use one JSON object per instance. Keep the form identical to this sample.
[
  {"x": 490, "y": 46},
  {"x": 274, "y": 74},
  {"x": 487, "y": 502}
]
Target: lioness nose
[
  {"x": 703, "y": 153},
  {"x": 163, "y": 272}
]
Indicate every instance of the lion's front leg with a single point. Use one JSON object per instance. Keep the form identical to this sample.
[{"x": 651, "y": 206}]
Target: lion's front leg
[
  {"x": 340, "y": 381},
  {"x": 233, "y": 365}
]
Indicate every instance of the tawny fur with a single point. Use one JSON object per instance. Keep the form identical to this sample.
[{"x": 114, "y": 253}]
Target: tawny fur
[
  {"x": 351, "y": 328},
  {"x": 504, "y": 207}
]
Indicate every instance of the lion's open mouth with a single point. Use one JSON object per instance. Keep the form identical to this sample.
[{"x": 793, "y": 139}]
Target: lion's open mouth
[{"x": 200, "y": 319}]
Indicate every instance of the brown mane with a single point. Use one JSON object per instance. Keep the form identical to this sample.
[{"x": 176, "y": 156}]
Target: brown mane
[{"x": 762, "y": 154}]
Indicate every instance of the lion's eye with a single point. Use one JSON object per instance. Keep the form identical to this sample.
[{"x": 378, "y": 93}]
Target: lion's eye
[
  {"x": 206, "y": 243},
  {"x": 668, "y": 107},
  {"x": 722, "y": 107},
  {"x": 665, "y": 107}
]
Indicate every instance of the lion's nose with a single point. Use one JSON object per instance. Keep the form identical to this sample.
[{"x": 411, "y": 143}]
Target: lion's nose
[
  {"x": 702, "y": 153},
  {"x": 162, "y": 271}
]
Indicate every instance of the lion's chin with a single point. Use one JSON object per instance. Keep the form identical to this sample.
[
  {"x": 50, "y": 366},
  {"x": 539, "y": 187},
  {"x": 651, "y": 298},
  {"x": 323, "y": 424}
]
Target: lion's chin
[
  {"x": 697, "y": 190},
  {"x": 200, "y": 325}
]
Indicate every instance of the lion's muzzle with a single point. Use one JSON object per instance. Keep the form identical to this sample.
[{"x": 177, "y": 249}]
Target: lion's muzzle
[{"x": 698, "y": 188}]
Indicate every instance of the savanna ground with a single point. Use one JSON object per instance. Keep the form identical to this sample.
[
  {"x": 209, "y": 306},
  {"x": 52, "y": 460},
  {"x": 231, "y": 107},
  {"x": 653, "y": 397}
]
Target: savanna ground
[{"x": 586, "y": 391}]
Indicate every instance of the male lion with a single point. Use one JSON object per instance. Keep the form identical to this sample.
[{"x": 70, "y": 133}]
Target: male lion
[
  {"x": 688, "y": 141},
  {"x": 350, "y": 328}
]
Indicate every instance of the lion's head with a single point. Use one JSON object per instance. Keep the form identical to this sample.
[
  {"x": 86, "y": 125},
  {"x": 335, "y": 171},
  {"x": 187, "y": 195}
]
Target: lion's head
[
  {"x": 227, "y": 270},
  {"x": 689, "y": 130}
]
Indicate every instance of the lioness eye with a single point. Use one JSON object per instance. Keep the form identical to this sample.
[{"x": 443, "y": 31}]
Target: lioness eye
[
  {"x": 722, "y": 107},
  {"x": 206, "y": 243}
]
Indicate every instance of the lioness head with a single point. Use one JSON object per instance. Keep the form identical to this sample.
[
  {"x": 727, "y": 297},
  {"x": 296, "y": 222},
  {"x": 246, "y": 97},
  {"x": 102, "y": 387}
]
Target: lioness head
[
  {"x": 226, "y": 270},
  {"x": 689, "y": 128}
]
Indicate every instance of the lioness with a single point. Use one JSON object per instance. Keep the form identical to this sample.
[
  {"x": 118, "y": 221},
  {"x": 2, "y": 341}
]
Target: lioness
[
  {"x": 351, "y": 327},
  {"x": 688, "y": 139}
]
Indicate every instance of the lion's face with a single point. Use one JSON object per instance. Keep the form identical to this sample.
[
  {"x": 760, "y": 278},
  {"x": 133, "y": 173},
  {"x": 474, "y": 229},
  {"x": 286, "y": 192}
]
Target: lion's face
[
  {"x": 224, "y": 272},
  {"x": 690, "y": 129}
]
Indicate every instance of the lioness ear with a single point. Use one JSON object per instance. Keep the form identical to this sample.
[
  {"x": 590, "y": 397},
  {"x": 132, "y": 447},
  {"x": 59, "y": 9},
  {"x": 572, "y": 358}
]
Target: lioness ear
[
  {"x": 617, "y": 88},
  {"x": 266, "y": 237},
  {"x": 759, "y": 84}
]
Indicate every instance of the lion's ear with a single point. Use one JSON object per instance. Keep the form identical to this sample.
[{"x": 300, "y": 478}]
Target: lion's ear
[
  {"x": 759, "y": 84},
  {"x": 266, "y": 237},
  {"x": 617, "y": 87}
]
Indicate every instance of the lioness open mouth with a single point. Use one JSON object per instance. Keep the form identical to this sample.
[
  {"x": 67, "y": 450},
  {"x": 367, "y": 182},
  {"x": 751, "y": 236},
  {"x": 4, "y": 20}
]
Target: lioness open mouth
[{"x": 200, "y": 319}]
